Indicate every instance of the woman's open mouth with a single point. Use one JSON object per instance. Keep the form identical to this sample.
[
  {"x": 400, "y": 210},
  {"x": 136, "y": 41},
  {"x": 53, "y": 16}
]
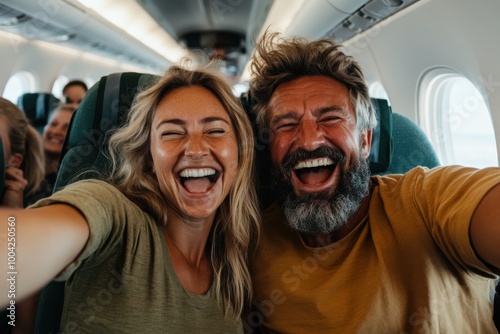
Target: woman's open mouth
[{"x": 198, "y": 180}]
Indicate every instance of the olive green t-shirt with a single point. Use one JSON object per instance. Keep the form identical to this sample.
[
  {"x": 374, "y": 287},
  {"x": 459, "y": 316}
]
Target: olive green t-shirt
[
  {"x": 123, "y": 281},
  {"x": 408, "y": 267}
]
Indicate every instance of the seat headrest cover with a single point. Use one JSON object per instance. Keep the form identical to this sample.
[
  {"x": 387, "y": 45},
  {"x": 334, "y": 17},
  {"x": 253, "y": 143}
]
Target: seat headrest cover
[
  {"x": 37, "y": 107},
  {"x": 411, "y": 147},
  {"x": 104, "y": 107},
  {"x": 381, "y": 148}
]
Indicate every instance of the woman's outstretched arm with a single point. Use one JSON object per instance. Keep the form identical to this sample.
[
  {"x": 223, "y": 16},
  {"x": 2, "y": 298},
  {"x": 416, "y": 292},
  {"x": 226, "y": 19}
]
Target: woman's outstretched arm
[{"x": 36, "y": 245}]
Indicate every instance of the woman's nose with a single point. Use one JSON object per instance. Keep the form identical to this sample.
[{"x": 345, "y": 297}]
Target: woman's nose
[{"x": 196, "y": 146}]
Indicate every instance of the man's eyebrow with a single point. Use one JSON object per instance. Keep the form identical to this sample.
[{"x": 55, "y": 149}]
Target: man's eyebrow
[
  {"x": 319, "y": 111},
  {"x": 277, "y": 119},
  {"x": 338, "y": 108}
]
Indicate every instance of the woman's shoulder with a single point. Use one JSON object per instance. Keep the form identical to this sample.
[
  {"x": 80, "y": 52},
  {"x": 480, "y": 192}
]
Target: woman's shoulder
[
  {"x": 91, "y": 185},
  {"x": 90, "y": 193}
]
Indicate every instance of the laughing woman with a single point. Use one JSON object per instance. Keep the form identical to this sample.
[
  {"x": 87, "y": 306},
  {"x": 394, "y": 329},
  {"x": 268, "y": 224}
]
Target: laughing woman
[{"x": 163, "y": 246}]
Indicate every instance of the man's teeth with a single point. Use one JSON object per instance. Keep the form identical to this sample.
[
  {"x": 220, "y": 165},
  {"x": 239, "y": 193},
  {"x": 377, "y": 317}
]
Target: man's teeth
[
  {"x": 197, "y": 172},
  {"x": 314, "y": 163}
]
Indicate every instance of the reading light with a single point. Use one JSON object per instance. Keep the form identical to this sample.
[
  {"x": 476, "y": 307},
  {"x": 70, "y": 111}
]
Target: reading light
[{"x": 61, "y": 38}]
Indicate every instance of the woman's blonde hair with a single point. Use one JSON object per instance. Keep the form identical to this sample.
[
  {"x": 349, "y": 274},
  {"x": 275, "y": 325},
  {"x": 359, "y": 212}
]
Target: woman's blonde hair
[
  {"x": 25, "y": 140},
  {"x": 236, "y": 228}
]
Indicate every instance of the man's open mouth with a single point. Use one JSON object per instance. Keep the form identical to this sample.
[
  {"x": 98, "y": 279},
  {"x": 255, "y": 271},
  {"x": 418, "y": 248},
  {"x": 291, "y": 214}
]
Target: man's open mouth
[{"x": 314, "y": 171}]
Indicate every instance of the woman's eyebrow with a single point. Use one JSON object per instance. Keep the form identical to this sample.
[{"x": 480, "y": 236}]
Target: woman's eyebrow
[
  {"x": 175, "y": 121},
  {"x": 213, "y": 119},
  {"x": 178, "y": 121}
]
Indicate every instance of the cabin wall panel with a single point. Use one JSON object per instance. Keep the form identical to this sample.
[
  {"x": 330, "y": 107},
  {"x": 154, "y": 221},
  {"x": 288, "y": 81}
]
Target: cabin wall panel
[
  {"x": 462, "y": 35},
  {"x": 47, "y": 63}
]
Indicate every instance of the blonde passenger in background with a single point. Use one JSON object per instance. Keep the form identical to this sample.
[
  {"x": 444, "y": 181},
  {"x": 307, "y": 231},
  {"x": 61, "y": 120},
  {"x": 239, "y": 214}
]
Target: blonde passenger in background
[
  {"x": 23, "y": 155},
  {"x": 53, "y": 136}
]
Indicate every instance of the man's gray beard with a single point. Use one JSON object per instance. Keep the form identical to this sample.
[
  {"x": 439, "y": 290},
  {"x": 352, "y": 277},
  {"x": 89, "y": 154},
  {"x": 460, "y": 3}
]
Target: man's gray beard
[{"x": 321, "y": 213}]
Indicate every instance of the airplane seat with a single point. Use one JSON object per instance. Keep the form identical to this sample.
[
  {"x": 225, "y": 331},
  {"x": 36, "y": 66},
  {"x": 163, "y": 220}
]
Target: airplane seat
[
  {"x": 103, "y": 108},
  {"x": 37, "y": 107},
  {"x": 411, "y": 147}
]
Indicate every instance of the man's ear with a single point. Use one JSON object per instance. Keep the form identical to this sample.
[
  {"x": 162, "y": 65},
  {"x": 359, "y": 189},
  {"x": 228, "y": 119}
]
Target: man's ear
[{"x": 366, "y": 142}]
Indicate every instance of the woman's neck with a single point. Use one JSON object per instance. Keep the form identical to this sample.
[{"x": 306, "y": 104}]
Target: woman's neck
[
  {"x": 189, "y": 238},
  {"x": 190, "y": 258}
]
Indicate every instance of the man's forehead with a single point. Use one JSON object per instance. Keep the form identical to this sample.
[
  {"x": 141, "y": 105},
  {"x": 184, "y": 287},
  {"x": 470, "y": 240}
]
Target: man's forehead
[{"x": 309, "y": 92}]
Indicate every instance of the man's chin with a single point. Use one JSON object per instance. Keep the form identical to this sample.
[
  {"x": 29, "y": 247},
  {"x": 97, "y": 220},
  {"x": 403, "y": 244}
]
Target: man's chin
[
  {"x": 324, "y": 195},
  {"x": 326, "y": 211}
]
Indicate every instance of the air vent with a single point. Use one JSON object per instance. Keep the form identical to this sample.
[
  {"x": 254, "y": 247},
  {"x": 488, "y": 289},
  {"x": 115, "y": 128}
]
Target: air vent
[
  {"x": 15, "y": 20},
  {"x": 394, "y": 3},
  {"x": 370, "y": 14}
]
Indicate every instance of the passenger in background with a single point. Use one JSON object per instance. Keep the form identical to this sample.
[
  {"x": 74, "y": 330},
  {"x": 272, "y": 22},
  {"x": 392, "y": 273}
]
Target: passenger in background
[
  {"x": 23, "y": 155},
  {"x": 343, "y": 252},
  {"x": 169, "y": 235},
  {"x": 74, "y": 91},
  {"x": 53, "y": 137},
  {"x": 24, "y": 174}
]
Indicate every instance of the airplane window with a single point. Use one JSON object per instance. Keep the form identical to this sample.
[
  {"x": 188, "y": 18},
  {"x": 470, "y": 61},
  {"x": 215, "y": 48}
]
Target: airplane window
[
  {"x": 377, "y": 90},
  {"x": 58, "y": 86},
  {"x": 18, "y": 84},
  {"x": 457, "y": 119}
]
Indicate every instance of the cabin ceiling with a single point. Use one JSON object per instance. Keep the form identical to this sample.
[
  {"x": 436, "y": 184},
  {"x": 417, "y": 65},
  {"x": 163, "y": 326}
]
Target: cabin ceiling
[{"x": 224, "y": 29}]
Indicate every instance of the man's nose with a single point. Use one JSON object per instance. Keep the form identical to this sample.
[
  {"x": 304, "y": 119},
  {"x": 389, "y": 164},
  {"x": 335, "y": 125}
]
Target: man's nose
[{"x": 310, "y": 136}]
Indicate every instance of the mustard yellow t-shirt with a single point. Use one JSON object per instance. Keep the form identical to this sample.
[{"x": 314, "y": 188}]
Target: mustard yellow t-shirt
[{"x": 408, "y": 267}]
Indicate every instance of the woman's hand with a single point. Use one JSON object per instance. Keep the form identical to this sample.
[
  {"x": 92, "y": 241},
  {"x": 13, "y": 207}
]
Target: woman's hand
[{"x": 14, "y": 187}]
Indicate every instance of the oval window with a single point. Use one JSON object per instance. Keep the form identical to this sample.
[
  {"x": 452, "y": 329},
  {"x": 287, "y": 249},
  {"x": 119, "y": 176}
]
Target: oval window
[
  {"x": 457, "y": 119},
  {"x": 58, "y": 86},
  {"x": 18, "y": 84}
]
